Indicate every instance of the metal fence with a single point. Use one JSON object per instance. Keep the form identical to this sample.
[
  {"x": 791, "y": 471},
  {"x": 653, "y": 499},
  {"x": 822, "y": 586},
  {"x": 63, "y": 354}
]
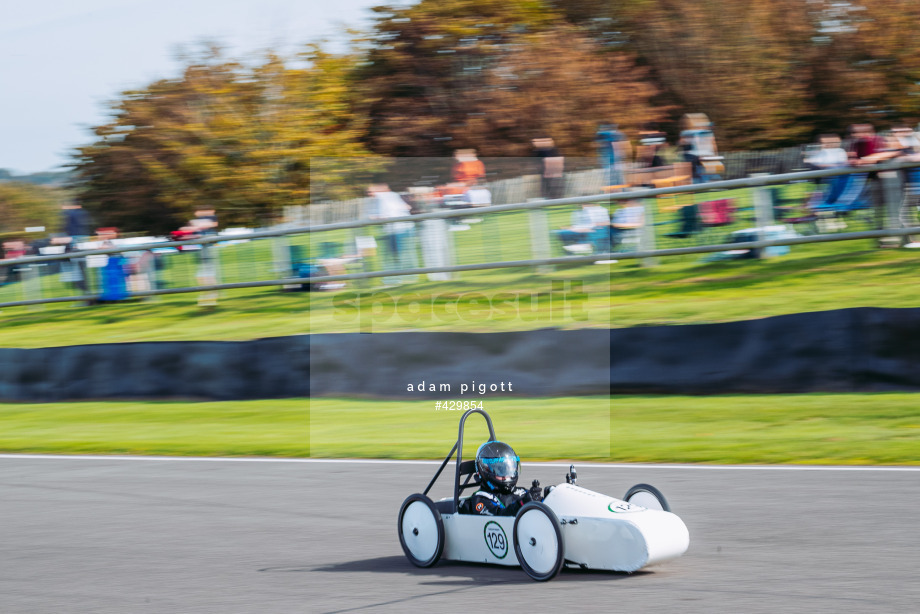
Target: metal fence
[
  {"x": 739, "y": 164},
  {"x": 520, "y": 189},
  {"x": 767, "y": 214}
]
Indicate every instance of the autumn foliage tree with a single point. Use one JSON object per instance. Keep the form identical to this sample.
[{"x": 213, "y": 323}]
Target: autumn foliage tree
[
  {"x": 738, "y": 61},
  {"x": 558, "y": 83},
  {"x": 491, "y": 74},
  {"x": 240, "y": 139},
  {"x": 25, "y": 204},
  {"x": 438, "y": 75},
  {"x": 769, "y": 73},
  {"x": 866, "y": 65}
]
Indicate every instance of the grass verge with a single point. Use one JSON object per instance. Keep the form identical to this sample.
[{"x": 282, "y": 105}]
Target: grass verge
[
  {"x": 679, "y": 291},
  {"x": 857, "y": 429},
  {"x": 249, "y": 428}
]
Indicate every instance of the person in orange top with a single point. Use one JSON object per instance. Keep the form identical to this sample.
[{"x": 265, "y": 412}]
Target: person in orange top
[{"x": 468, "y": 169}]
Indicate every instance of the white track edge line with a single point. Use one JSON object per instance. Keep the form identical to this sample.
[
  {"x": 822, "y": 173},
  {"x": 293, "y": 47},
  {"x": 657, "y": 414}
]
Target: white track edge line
[{"x": 369, "y": 461}]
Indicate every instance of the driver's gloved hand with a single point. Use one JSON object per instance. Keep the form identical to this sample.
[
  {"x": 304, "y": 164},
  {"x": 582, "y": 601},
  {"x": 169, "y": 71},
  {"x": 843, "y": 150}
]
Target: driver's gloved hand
[{"x": 535, "y": 492}]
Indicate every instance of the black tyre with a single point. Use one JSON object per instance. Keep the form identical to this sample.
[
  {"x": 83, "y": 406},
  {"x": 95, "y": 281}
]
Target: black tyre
[
  {"x": 648, "y": 497},
  {"x": 538, "y": 541},
  {"x": 421, "y": 531}
]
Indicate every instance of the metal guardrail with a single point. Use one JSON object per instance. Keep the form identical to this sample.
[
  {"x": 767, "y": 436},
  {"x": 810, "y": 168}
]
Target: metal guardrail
[
  {"x": 678, "y": 251},
  {"x": 646, "y": 193},
  {"x": 748, "y": 182}
]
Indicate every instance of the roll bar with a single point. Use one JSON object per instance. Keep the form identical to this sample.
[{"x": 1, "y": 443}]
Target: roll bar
[{"x": 458, "y": 448}]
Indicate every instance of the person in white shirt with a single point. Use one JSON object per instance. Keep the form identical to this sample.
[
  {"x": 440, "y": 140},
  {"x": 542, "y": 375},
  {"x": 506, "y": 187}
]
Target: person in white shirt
[
  {"x": 397, "y": 236},
  {"x": 597, "y": 215},
  {"x": 829, "y": 155},
  {"x": 628, "y": 217},
  {"x": 589, "y": 229}
]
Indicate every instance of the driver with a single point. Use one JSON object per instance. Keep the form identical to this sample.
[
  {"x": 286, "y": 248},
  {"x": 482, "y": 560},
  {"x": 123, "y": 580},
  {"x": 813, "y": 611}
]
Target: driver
[{"x": 498, "y": 468}]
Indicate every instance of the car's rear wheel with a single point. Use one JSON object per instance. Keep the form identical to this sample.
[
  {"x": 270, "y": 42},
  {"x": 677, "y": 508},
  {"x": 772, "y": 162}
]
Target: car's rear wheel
[
  {"x": 648, "y": 497},
  {"x": 538, "y": 541},
  {"x": 421, "y": 531}
]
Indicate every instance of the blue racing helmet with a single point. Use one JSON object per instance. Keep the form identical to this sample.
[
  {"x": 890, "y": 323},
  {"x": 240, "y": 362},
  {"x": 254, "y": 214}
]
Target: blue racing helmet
[{"x": 498, "y": 466}]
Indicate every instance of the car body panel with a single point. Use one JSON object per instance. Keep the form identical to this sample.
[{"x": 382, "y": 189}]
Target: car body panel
[
  {"x": 599, "y": 532},
  {"x": 609, "y": 533},
  {"x": 479, "y": 539}
]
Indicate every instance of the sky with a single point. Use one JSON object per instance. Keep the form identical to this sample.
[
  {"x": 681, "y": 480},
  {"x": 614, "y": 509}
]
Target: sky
[{"x": 61, "y": 61}]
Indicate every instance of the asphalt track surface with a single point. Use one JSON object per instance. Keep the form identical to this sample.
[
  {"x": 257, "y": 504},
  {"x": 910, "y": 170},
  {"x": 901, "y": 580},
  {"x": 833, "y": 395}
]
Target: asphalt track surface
[{"x": 113, "y": 535}]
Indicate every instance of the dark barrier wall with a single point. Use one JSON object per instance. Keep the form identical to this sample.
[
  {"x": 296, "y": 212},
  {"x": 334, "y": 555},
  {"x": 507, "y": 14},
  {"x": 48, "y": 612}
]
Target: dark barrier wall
[
  {"x": 263, "y": 368},
  {"x": 863, "y": 349},
  {"x": 535, "y": 363}
]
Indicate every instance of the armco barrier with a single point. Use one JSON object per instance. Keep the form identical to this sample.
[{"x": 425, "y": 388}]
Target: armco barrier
[{"x": 851, "y": 350}]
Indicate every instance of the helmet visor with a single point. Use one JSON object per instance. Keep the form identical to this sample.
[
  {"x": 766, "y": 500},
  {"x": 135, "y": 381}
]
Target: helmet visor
[{"x": 503, "y": 466}]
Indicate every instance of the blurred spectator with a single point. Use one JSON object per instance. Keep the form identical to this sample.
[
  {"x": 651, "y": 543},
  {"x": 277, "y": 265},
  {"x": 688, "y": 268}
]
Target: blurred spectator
[
  {"x": 184, "y": 234},
  {"x": 397, "y": 236},
  {"x": 12, "y": 249},
  {"x": 478, "y": 196},
  {"x": 468, "y": 169},
  {"x": 551, "y": 167},
  {"x": 76, "y": 226},
  {"x": 589, "y": 230},
  {"x": 432, "y": 234},
  {"x": 863, "y": 144},
  {"x": 204, "y": 224},
  {"x": 627, "y": 219},
  {"x": 866, "y": 149},
  {"x": 115, "y": 271},
  {"x": 143, "y": 272},
  {"x": 906, "y": 142},
  {"x": 651, "y": 143},
  {"x": 205, "y": 221},
  {"x": 73, "y": 271},
  {"x": 614, "y": 150},
  {"x": 106, "y": 236},
  {"x": 698, "y": 145},
  {"x": 829, "y": 154},
  {"x": 76, "y": 222}
]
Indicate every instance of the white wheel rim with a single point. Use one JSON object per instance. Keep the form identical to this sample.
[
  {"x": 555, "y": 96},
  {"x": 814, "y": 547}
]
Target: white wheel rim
[
  {"x": 537, "y": 541},
  {"x": 420, "y": 531},
  {"x": 646, "y": 499}
]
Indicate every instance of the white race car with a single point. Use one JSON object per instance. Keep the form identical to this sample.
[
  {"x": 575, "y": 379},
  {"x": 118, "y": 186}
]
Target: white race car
[{"x": 572, "y": 525}]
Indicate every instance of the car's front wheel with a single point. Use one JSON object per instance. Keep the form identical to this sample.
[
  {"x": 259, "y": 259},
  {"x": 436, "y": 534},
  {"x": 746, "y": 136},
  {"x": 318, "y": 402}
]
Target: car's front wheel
[{"x": 538, "y": 541}]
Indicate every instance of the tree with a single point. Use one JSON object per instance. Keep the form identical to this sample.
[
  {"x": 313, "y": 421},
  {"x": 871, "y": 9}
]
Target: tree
[
  {"x": 237, "y": 138},
  {"x": 422, "y": 79},
  {"x": 866, "y": 64},
  {"x": 492, "y": 75},
  {"x": 25, "y": 204},
  {"x": 740, "y": 62},
  {"x": 559, "y": 83},
  {"x": 769, "y": 73}
]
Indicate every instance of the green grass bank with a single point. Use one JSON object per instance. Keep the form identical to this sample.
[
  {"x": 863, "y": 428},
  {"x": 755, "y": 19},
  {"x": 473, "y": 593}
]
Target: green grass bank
[
  {"x": 678, "y": 291},
  {"x": 850, "y": 429}
]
